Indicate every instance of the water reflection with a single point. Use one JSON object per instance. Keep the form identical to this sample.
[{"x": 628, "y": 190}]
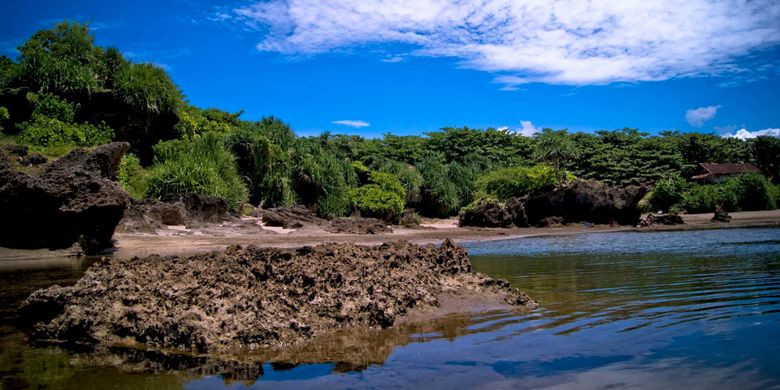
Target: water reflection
[{"x": 627, "y": 310}]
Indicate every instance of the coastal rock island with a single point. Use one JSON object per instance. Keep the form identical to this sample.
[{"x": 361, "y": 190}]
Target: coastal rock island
[{"x": 250, "y": 298}]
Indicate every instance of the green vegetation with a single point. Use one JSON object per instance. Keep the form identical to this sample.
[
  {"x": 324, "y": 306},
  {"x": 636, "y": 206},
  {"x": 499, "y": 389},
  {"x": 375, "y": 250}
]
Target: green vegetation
[
  {"x": 132, "y": 176},
  {"x": 63, "y": 91},
  {"x": 503, "y": 183},
  {"x": 203, "y": 166}
]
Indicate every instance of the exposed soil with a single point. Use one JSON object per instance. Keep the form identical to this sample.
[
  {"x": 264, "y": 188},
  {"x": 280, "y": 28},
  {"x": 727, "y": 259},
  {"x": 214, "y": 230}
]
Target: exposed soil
[{"x": 252, "y": 298}]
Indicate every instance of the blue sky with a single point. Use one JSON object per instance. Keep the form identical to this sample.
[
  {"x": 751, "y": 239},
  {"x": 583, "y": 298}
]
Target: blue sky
[{"x": 374, "y": 66}]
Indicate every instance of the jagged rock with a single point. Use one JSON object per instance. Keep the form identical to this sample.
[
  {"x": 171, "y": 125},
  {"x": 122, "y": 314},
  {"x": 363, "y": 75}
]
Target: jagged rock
[
  {"x": 721, "y": 215},
  {"x": 516, "y": 209},
  {"x": 661, "y": 219},
  {"x": 551, "y": 222},
  {"x": 34, "y": 159},
  {"x": 356, "y": 225},
  {"x": 485, "y": 214},
  {"x": 146, "y": 216},
  {"x": 209, "y": 209},
  {"x": 74, "y": 199},
  {"x": 290, "y": 217},
  {"x": 250, "y": 298},
  {"x": 587, "y": 200},
  {"x": 409, "y": 219}
]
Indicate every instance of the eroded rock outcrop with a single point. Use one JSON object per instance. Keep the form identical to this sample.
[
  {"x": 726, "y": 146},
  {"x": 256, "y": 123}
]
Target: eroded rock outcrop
[
  {"x": 587, "y": 200},
  {"x": 74, "y": 199},
  {"x": 290, "y": 217},
  {"x": 494, "y": 214},
  {"x": 661, "y": 219},
  {"x": 250, "y": 298},
  {"x": 357, "y": 225},
  {"x": 191, "y": 210}
]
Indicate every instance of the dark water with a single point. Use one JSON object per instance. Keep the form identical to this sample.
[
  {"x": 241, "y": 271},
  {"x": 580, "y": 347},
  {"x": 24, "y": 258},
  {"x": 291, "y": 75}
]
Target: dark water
[{"x": 667, "y": 310}]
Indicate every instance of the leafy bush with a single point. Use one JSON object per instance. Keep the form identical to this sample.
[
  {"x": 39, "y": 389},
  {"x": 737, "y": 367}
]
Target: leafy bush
[
  {"x": 387, "y": 182},
  {"x": 503, "y": 183},
  {"x": 439, "y": 193},
  {"x": 4, "y": 116},
  {"x": 752, "y": 192},
  {"x": 667, "y": 192},
  {"x": 372, "y": 201},
  {"x": 132, "y": 176},
  {"x": 741, "y": 193},
  {"x": 202, "y": 165},
  {"x": 409, "y": 177},
  {"x": 45, "y": 131},
  {"x": 702, "y": 199}
]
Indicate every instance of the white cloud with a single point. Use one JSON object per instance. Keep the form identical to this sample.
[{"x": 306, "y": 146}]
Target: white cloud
[
  {"x": 697, "y": 116},
  {"x": 744, "y": 134},
  {"x": 526, "y": 129},
  {"x": 352, "y": 123},
  {"x": 569, "y": 42}
]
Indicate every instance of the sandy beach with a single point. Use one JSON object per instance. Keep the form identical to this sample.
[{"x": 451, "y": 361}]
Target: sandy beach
[{"x": 179, "y": 240}]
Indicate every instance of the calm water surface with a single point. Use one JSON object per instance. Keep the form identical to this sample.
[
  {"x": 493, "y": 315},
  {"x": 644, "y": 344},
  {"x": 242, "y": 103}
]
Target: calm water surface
[{"x": 621, "y": 310}]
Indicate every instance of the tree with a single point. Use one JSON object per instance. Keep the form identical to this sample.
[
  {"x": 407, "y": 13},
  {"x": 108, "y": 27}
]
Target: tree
[
  {"x": 766, "y": 155},
  {"x": 555, "y": 148}
]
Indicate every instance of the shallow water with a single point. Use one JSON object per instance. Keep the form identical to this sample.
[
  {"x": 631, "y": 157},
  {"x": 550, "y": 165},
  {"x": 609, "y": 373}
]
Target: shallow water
[{"x": 696, "y": 309}]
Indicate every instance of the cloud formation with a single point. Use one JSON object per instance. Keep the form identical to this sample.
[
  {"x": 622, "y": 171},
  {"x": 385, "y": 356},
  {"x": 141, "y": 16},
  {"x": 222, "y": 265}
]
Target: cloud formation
[
  {"x": 570, "y": 42},
  {"x": 352, "y": 123},
  {"x": 526, "y": 129},
  {"x": 697, "y": 116},
  {"x": 744, "y": 134}
]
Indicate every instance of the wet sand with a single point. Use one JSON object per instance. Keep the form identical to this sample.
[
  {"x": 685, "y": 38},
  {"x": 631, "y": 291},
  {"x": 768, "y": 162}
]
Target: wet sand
[{"x": 179, "y": 240}]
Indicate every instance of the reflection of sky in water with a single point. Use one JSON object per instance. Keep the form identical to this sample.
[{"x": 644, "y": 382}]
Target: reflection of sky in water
[
  {"x": 704, "y": 242},
  {"x": 683, "y": 310}
]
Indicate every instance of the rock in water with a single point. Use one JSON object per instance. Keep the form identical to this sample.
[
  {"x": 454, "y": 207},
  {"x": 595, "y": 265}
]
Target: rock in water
[
  {"x": 75, "y": 199},
  {"x": 587, "y": 200},
  {"x": 249, "y": 298}
]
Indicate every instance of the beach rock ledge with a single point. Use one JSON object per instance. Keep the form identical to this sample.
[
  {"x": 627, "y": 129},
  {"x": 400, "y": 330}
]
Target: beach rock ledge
[
  {"x": 249, "y": 298},
  {"x": 74, "y": 199}
]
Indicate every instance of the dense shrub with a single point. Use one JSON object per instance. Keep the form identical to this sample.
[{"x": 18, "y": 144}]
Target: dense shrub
[
  {"x": 45, "y": 131},
  {"x": 321, "y": 178},
  {"x": 701, "y": 199},
  {"x": 4, "y": 116},
  {"x": 752, "y": 192},
  {"x": 439, "y": 194},
  {"x": 202, "y": 166},
  {"x": 266, "y": 166},
  {"x": 667, "y": 192},
  {"x": 372, "y": 201},
  {"x": 387, "y": 182},
  {"x": 503, "y": 183},
  {"x": 409, "y": 177},
  {"x": 742, "y": 193},
  {"x": 132, "y": 176}
]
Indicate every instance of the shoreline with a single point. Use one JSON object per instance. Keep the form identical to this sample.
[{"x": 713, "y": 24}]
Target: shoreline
[{"x": 178, "y": 240}]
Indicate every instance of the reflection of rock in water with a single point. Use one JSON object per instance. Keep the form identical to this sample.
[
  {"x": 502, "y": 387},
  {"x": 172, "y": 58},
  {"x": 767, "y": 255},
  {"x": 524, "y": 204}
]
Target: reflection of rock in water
[{"x": 348, "y": 350}]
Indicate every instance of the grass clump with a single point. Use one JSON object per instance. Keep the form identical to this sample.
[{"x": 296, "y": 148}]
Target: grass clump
[{"x": 202, "y": 165}]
